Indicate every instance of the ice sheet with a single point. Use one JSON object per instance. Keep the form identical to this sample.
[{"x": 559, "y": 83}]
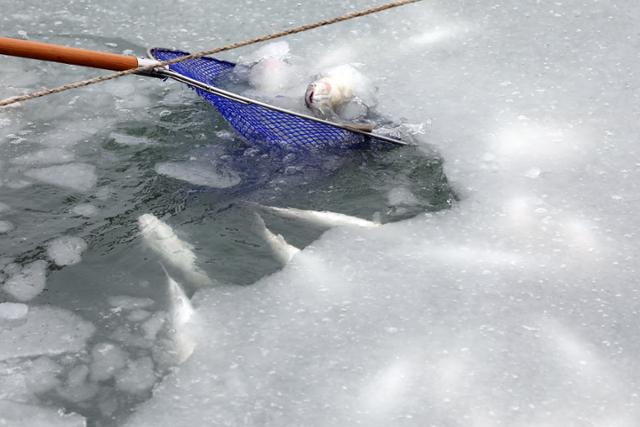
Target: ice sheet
[
  {"x": 22, "y": 415},
  {"x": 47, "y": 331}
]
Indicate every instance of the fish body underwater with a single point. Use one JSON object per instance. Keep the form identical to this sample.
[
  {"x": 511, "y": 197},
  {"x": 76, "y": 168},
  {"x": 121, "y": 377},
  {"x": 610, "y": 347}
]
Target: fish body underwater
[{"x": 163, "y": 241}]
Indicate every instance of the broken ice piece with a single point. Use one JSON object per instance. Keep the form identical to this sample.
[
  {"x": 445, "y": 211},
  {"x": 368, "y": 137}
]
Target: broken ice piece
[
  {"x": 12, "y": 313},
  {"x": 27, "y": 282}
]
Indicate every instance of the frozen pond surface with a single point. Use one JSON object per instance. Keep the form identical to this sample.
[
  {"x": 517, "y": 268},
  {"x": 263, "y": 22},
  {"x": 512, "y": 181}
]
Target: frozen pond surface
[{"x": 144, "y": 282}]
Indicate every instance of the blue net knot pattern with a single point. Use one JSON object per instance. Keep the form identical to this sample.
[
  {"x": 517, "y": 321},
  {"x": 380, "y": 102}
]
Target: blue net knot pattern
[{"x": 259, "y": 124}]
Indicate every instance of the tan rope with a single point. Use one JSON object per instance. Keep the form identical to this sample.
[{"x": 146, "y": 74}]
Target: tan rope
[{"x": 83, "y": 83}]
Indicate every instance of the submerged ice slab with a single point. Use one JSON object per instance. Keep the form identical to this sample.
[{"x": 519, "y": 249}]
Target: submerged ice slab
[
  {"x": 44, "y": 157},
  {"x": 46, "y": 331},
  {"x": 126, "y": 302},
  {"x": 6, "y": 226},
  {"x": 106, "y": 360},
  {"x": 137, "y": 377},
  {"x": 85, "y": 209},
  {"x": 199, "y": 174},
  {"x": 74, "y": 176}
]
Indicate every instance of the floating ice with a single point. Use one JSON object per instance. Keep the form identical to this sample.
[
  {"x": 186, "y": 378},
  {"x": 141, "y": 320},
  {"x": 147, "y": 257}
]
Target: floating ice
[
  {"x": 42, "y": 375},
  {"x": 14, "y": 414},
  {"x": 161, "y": 238},
  {"x": 4, "y": 207},
  {"x": 198, "y": 174},
  {"x": 6, "y": 226},
  {"x": 75, "y": 176},
  {"x": 47, "y": 331},
  {"x": 125, "y": 302},
  {"x": 138, "y": 315},
  {"x": 12, "y": 313},
  {"x": 85, "y": 209},
  {"x": 47, "y": 156},
  {"x": 66, "y": 250},
  {"x": 401, "y": 196},
  {"x": 77, "y": 387},
  {"x": 106, "y": 360},
  {"x": 27, "y": 282},
  {"x": 125, "y": 139},
  {"x": 152, "y": 326},
  {"x": 21, "y": 379},
  {"x": 137, "y": 377}
]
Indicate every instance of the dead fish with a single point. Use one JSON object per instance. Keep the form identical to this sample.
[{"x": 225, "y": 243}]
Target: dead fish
[
  {"x": 322, "y": 218},
  {"x": 182, "y": 318},
  {"x": 282, "y": 250},
  {"x": 161, "y": 238},
  {"x": 341, "y": 92}
]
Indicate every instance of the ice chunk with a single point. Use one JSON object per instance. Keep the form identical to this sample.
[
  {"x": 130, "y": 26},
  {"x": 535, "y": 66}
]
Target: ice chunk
[
  {"x": 12, "y": 313},
  {"x": 6, "y": 226},
  {"x": 106, "y": 360},
  {"x": 85, "y": 209},
  {"x": 14, "y": 414},
  {"x": 137, "y": 377},
  {"x": 138, "y": 315},
  {"x": 43, "y": 375},
  {"x": 125, "y": 302},
  {"x": 401, "y": 196},
  {"x": 27, "y": 282},
  {"x": 125, "y": 139},
  {"x": 44, "y": 157},
  {"x": 77, "y": 388},
  {"x": 153, "y": 325},
  {"x": 198, "y": 174},
  {"x": 47, "y": 331},
  {"x": 20, "y": 378},
  {"x": 66, "y": 250},
  {"x": 75, "y": 176}
]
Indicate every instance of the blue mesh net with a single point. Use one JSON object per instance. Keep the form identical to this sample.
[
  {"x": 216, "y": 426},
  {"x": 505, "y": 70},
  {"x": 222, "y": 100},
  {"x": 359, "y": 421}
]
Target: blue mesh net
[{"x": 259, "y": 124}]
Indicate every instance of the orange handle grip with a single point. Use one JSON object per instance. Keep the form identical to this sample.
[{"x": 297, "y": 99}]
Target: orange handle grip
[{"x": 67, "y": 55}]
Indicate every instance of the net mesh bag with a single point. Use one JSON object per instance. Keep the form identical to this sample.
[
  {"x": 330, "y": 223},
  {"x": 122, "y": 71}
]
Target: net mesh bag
[{"x": 256, "y": 123}]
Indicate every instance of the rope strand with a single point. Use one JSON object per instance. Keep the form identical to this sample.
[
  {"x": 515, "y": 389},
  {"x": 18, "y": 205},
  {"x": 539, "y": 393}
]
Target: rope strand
[{"x": 196, "y": 55}]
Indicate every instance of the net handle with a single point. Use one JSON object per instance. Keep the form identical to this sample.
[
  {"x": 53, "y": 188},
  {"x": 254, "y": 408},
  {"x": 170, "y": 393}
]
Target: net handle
[{"x": 70, "y": 55}]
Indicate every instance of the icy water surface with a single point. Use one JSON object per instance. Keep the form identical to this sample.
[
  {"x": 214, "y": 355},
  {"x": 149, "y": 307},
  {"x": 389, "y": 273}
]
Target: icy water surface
[{"x": 501, "y": 288}]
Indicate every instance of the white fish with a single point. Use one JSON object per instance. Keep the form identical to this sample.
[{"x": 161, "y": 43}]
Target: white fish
[
  {"x": 282, "y": 250},
  {"x": 342, "y": 91},
  {"x": 182, "y": 318},
  {"x": 323, "y": 218},
  {"x": 161, "y": 238}
]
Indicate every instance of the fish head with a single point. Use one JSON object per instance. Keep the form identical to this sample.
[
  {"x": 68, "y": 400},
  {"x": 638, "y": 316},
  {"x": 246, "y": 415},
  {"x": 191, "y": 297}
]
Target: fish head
[{"x": 321, "y": 95}]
